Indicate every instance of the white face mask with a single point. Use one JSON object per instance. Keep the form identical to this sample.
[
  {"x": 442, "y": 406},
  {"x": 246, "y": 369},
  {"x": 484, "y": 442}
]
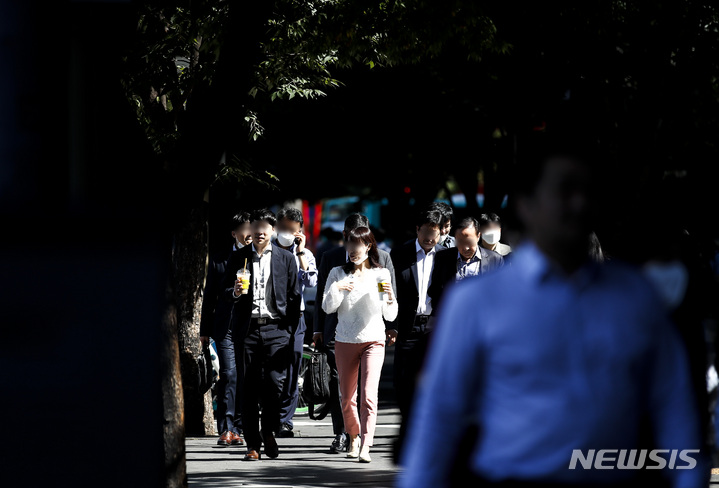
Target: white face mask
[
  {"x": 670, "y": 279},
  {"x": 285, "y": 239},
  {"x": 362, "y": 258},
  {"x": 492, "y": 237}
]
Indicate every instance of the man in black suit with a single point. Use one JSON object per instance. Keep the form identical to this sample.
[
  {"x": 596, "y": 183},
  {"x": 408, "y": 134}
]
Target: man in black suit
[
  {"x": 326, "y": 324},
  {"x": 413, "y": 263},
  {"x": 215, "y": 322},
  {"x": 264, "y": 319},
  {"x": 466, "y": 260}
]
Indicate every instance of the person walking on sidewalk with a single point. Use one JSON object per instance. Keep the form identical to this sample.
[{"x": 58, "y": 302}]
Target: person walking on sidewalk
[
  {"x": 325, "y": 325},
  {"x": 553, "y": 357},
  {"x": 215, "y": 323},
  {"x": 266, "y": 311},
  {"x": 291, "y": 238},
  {"x": 361, "y": 293}
]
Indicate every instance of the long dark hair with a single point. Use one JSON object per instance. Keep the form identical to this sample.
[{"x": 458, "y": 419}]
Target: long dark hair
[{"x": 365, "y": 236}]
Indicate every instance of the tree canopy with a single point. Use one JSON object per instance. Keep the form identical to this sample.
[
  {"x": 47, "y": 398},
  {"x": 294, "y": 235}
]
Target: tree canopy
[{"x": 455, "y": 85}]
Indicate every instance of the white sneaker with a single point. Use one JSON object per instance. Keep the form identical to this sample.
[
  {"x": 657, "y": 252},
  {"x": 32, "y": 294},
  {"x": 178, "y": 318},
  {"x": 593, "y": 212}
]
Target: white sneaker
[
  {"x": 354, "y": 447},
  {"x": 364, "y": 455}
]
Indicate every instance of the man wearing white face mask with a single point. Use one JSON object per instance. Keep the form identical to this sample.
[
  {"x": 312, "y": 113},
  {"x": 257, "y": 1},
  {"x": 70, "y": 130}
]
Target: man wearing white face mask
[
  {"x": 215, "y": 323},
  {"x": 291, "y": 238},
  {"x": 445, "y": 226},
  {"x": 491, "y": 230}
]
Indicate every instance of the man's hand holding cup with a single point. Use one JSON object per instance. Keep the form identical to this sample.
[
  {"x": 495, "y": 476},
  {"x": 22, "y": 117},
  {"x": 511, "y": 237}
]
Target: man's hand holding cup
[{"x": 242, "y": 283}]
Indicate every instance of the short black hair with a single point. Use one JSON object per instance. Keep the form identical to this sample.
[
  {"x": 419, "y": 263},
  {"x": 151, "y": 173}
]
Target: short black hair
[
  {"x": 445, "y": 209},
  {"x": 431, "y": 217},
  {"x": 291, "y": 213},
  {"x": 466, "y": 223},
  {"x": 356, "y": 220},
  {"x": 264, "y": 214},
  {"x": 239, "y": 219},
  {"x": 489, "y": 218}
]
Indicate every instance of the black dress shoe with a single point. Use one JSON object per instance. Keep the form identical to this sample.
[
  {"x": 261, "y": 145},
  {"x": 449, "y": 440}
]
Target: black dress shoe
[
  {"x": 271, "y": 448},
  {"x": 286, "y": 431},
  {"x": 340, "y": 444}
]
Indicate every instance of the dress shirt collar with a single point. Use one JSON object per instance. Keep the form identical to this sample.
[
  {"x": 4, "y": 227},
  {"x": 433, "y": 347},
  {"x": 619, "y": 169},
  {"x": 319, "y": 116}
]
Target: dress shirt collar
[
  {"x": 539, "y": 268},
  {"x": 477, "y": 256},
  {"x": 267, "y": 250},
  {"x": 419, "y": 248}
]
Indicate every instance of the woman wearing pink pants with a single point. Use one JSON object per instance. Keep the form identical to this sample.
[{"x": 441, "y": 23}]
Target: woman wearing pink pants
[{"x": 361, "y": 294}]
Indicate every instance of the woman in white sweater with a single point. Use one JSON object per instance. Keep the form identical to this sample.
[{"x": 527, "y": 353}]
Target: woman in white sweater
[{"x": 361, "y": 294}]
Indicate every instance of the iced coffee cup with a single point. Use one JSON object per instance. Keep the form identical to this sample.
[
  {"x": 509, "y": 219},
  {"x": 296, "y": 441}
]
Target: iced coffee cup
[
  {"x": 383, "y": 286},
  {"x": 243, "y": 276}
]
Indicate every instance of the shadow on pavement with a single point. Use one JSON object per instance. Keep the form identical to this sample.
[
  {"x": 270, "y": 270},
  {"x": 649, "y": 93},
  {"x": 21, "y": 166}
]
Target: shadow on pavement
[{"x": 269, "y": 474}]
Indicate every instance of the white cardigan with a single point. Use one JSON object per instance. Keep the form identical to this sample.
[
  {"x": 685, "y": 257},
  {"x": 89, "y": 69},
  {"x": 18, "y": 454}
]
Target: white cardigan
[{"x": 359, "y": 312}]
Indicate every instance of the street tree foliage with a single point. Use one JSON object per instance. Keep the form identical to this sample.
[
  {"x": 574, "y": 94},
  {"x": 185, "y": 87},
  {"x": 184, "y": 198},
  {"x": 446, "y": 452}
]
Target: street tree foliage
[
  {"x": 636, "y": 72},
  {"x": 180, "y": 44}
]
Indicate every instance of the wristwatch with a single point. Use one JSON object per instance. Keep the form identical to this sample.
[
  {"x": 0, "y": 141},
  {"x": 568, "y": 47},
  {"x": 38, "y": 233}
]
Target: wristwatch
[{"x": 301, "y": 253}]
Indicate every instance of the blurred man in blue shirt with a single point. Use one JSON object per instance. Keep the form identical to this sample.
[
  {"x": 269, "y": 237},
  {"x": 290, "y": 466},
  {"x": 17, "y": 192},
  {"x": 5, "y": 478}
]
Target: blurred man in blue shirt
[{"x": 552, "y": 358}]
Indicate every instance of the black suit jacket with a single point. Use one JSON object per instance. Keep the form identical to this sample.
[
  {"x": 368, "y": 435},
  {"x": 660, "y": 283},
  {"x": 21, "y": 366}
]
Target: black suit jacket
[
  {"x": 215, "y": 314},
  {"x": 445, "y": 271},
  {"x": 327, "y": 323},
  {"x": 286, "y": 295},
  {"x": 404, "y": 259}
]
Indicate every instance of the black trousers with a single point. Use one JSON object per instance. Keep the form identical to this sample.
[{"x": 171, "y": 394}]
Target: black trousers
[
  {"x": 290, "y": 394},
  {"x": 267, "y": 356},
  {"x": 338, "y": 421},
  {"x": 410, "y": 352}
]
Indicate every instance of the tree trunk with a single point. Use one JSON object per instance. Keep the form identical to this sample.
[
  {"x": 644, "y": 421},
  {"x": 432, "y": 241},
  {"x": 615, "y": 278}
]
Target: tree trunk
[
  {"x": 189, "y": 258},
  {"x": 172, "y": 400}
]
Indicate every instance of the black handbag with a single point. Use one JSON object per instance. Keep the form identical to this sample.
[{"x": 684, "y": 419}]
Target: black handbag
[{"x": 316, "y": 385}]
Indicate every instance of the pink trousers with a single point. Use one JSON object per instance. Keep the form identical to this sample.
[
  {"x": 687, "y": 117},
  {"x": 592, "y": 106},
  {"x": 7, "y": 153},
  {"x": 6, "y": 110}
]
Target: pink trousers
[{"x": 351, "y": 358}]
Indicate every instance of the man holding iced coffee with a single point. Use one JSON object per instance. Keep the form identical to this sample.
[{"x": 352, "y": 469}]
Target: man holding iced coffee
[{"x": 261, "y": 281}]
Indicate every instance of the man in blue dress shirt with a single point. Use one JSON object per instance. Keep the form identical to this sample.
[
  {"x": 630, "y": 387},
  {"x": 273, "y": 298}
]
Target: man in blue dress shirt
[{"x": 538, "y": 367}]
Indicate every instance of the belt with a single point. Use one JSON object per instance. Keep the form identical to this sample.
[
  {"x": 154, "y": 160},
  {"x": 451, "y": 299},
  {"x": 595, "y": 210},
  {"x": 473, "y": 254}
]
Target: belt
[
  {"x": 263, "y": 321},
  {"x": 421, "y": 319}
]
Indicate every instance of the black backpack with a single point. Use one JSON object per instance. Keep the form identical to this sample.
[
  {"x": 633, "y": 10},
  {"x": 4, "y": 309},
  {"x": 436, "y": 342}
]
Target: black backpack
[{"x": 316, "y": 385}]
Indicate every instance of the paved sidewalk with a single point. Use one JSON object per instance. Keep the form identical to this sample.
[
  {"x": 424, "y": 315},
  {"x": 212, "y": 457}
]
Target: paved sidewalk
[{"x": 304, "y": 461}]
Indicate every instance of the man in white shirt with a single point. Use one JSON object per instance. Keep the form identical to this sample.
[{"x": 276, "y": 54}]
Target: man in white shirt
[
  {"x": 291, "y": 238},
  {"x": 264, "y": 320},
  {"x": 413, "y": 263}
]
